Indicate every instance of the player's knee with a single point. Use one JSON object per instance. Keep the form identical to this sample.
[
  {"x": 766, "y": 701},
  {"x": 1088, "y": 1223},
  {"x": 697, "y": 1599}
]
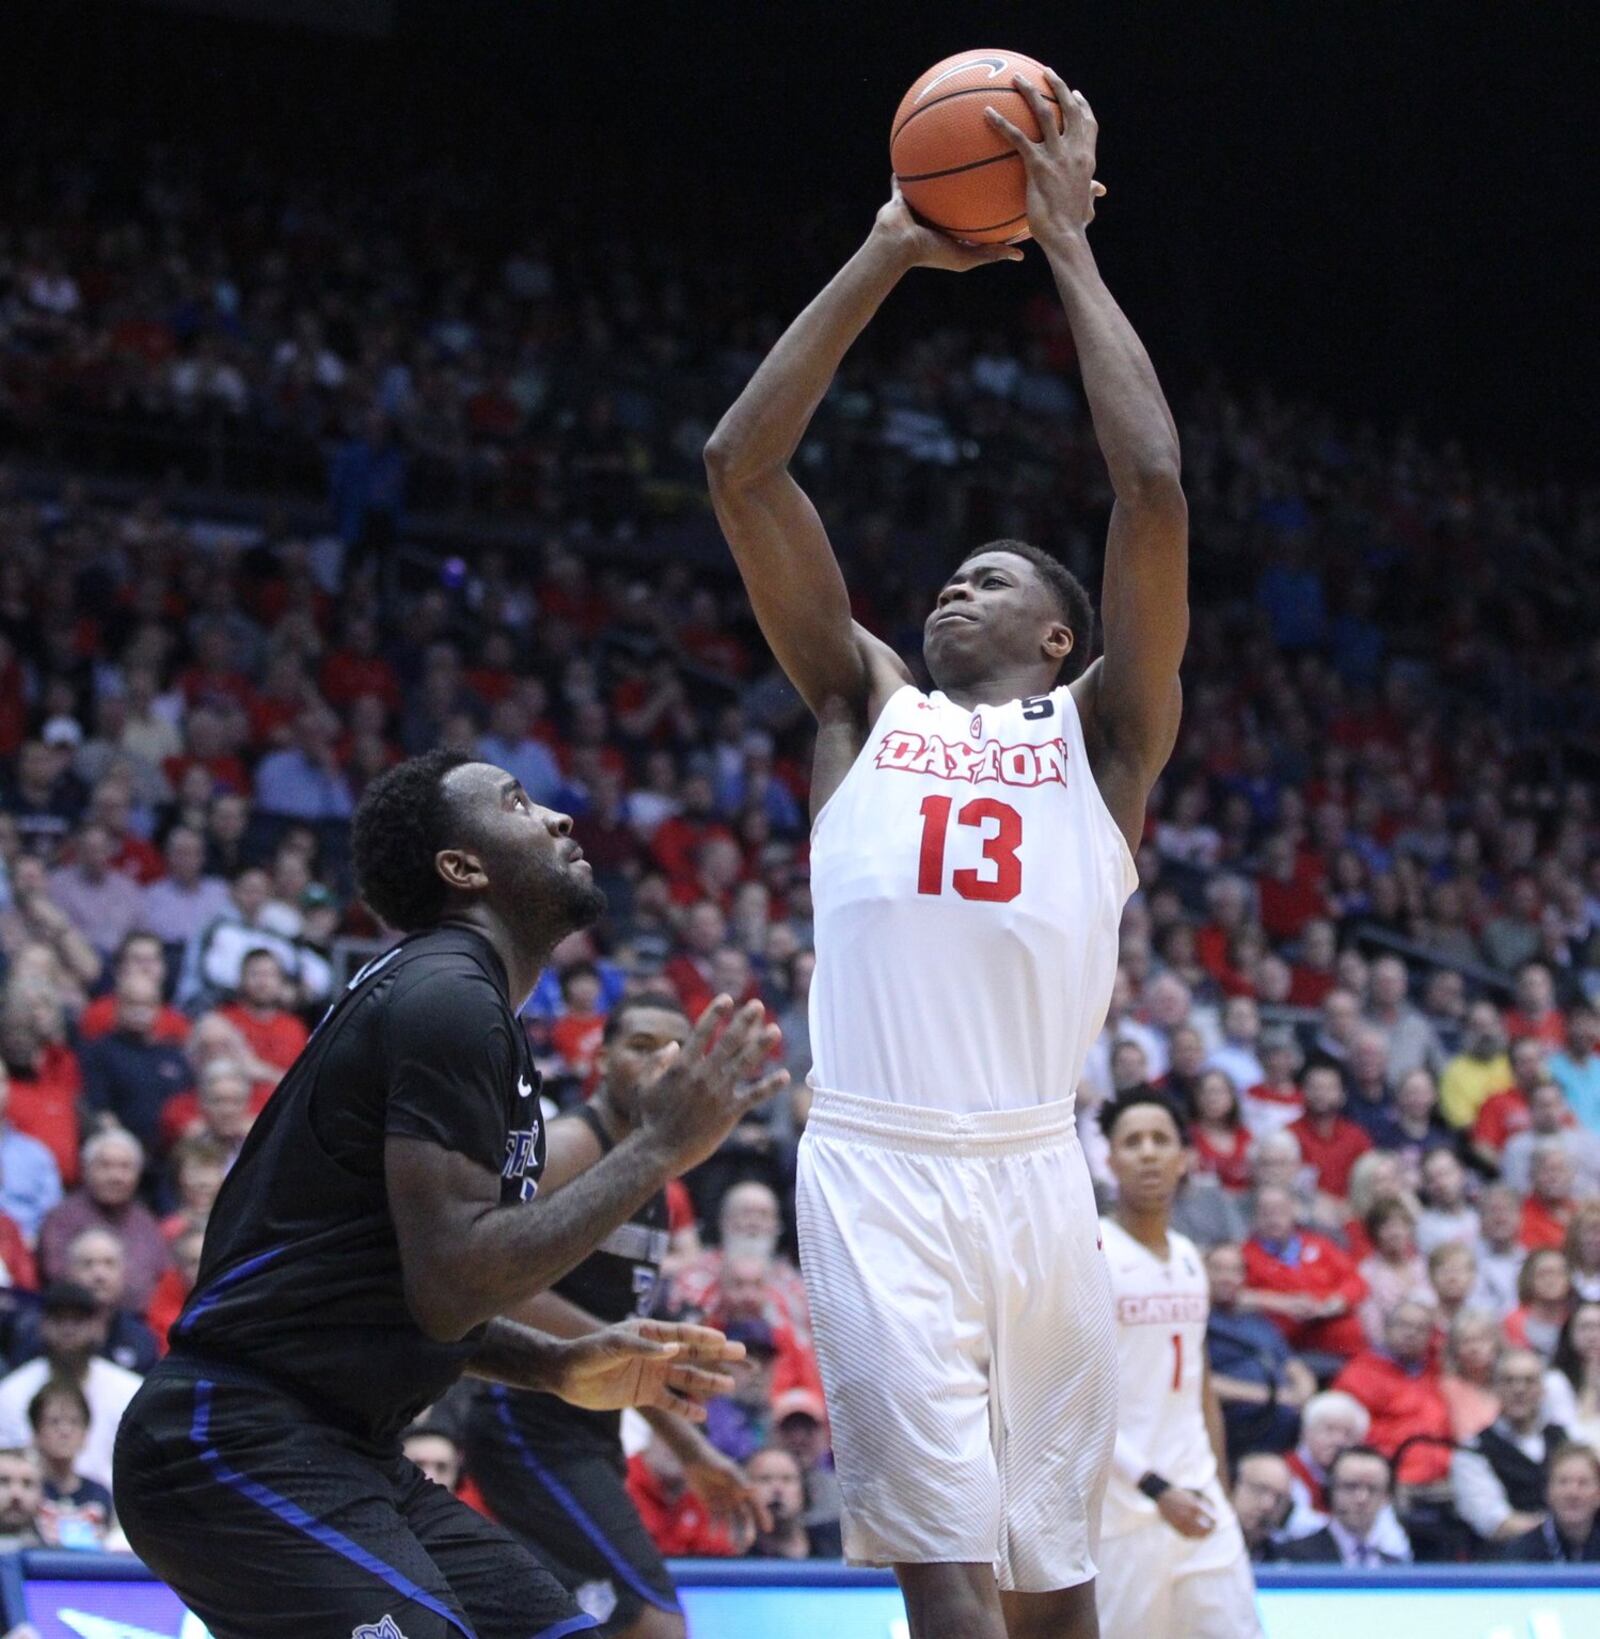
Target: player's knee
[{"x": 657, "y": 1624}]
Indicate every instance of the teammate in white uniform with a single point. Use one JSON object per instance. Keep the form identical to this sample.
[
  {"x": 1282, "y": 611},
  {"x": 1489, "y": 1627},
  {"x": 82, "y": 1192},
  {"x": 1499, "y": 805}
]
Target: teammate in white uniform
[
  {"x": 970, "y": 860},
  {"x": 1173, "y": 1561}
]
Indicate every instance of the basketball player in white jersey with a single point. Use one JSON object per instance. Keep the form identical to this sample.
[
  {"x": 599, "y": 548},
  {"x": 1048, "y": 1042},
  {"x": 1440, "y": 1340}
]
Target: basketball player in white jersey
[
  {"x": 970, "y": 860},
  {"x": 1173, "y": 1560}
]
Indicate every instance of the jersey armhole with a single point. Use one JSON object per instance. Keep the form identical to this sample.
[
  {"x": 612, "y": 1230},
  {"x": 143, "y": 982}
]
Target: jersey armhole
[
  {"x": 833, "y": 797},
  {"x": 1128, "y": 865}
]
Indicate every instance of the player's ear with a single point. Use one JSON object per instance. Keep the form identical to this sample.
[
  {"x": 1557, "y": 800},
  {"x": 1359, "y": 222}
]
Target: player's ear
[
  {"x": 1058, "y": 641},
  {"x": 461, "y": 871}
]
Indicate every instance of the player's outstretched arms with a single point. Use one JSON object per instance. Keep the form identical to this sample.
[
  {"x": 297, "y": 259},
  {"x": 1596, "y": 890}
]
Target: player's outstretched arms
[
  {"x": 1130, "y": 701},
  {"x": 777, "y": 539},
  {"x": 466, "y": 1258}
]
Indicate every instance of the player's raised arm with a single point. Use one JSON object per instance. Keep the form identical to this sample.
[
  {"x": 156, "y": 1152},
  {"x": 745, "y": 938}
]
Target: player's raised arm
[
  {"x": 1131, "y": 701},
  {"x": 777, "y": 538}
]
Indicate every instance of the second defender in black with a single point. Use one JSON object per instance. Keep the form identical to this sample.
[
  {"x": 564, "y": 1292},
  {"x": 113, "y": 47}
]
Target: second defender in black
[
  {"x": 378, "y": 1227},
  {"x": 552, "y": 1472}
]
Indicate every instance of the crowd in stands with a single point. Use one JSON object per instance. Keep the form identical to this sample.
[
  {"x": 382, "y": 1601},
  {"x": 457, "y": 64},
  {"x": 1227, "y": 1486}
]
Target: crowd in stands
[{"x": 1364, "y": 955}]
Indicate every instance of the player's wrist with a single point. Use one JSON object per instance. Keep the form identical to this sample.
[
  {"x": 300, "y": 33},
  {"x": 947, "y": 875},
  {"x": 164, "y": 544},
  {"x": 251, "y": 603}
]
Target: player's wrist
[{"x": 1153, "y": 1485}]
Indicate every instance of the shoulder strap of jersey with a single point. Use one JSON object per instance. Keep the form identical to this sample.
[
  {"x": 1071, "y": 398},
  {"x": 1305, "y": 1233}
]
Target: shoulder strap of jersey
[{"x": 589, "y": 1116}]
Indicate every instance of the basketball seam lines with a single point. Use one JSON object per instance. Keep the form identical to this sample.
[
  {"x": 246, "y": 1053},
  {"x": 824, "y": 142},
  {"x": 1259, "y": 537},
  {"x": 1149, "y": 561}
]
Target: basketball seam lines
[
  {"x": 956, "y": 170},
  {"x": 970, "y": 91}
]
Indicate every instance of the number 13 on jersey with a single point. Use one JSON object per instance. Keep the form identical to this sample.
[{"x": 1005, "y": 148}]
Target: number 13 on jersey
[{"x": 1001, "y": 879}]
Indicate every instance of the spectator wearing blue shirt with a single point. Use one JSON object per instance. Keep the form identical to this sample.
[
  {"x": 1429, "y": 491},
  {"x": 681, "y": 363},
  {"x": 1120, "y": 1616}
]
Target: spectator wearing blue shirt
[
  {"x": 304, "y": 781},
  {"x": 127, "y": 1073},
  {"x": 30, "y": 1180},
  {"x": 1260, "y": 1384},
  {"x": 509, "y": 745},
  {"x": 1576, "y": 1069}
]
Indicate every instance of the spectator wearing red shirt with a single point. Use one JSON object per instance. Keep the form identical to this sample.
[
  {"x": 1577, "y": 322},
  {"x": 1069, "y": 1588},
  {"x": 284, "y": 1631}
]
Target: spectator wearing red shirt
[
  {"x": 1548, "y": 1208},
  {"x": 679, "y": 1523},
  {"x": 18, "y": 1272},
  {"x": 139, "y": 953},
  {"x": 205, "y": 745},
  {"x": 212, "y": 680},
  {"x": 1328, "y": 1140},
  {"x": 705, "y": 929},
  {"x": 272, "y": 1033},
  {"x": 1506, "y": 1113},
  {"x": 1536, "y": 1016},
  {"x": 1302, "y": 1280},
  {"x": 1289, "y": 897},
  {"x": 676, "y": 841},
  {"x": 1399, "y": 1386},
  {"x": 1276, "y": 1102},
  {"x": 576, "y": 1034},
  {"x": 112, "y": 806},
  {"x": 356, "y": 668},
  {"x": 1314, "y": 973},
  {"x": 1221, "y": 1142},
  {"x": 46, "y": 1081},
  {"x": 176, "y": 1283}
]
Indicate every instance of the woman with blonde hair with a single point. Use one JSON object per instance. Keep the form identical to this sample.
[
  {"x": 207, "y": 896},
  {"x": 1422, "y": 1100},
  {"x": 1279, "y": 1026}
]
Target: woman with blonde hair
[
  {"x": 1376, "y": 1175},
  {"x": 1583, "y": 1250},
  {"x": 1467, "y": 1382},
  {"x": 1544, "y": 1300}
]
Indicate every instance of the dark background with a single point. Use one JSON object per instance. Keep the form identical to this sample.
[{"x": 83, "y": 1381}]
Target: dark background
[{"x": 1379, "y": 206}]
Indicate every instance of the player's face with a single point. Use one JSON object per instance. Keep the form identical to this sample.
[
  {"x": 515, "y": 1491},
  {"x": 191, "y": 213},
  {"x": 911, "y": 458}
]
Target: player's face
[
  {"x": 632, "y": 1059},
  {"x": 1147, "y": 1158},
  {"x": 994, "y": 613},
  {"x": 523, "y": 856}
]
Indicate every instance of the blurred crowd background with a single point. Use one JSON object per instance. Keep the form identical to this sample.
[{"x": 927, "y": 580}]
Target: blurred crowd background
[{"x": 301, "y": 479}]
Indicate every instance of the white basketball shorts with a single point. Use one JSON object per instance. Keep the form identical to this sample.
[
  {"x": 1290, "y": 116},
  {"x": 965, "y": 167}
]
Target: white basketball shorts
[
  {"x": 1154, "y": 1583},
  {"x": 962, "y": 1314}
]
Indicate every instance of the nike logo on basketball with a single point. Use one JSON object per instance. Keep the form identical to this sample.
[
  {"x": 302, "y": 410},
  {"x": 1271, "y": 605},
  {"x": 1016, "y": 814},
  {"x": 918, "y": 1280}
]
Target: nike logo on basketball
[
  {"x": 523, "y": 1089},
  {"x": 995, "y": 65}
]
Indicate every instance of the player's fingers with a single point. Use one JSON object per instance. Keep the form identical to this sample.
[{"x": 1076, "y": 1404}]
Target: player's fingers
[
  {"x": 741, "y": 1028},
  {"x": 628, "y": 1342},
  {"x": 668, "y": 1399},
  {"x": 761, "y": 1046},
  {"x": 694, "y": 1343},
  {"x": 1049, "y": 129},
  {"x": 758, "y": 1092},
  {"x": 706, "y": 1026},
  {"x": 698, "y": 1383},
  {"x": 1020, "y": 140},
  {"x": 1082, "y": 103},
  {"x": 1071, "y": 104}
]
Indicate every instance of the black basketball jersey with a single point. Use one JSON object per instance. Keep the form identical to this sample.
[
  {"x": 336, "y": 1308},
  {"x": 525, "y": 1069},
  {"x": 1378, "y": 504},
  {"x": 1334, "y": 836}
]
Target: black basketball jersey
[
  {"x": 300, "y": 1276},
  {"x": 617, "y": 1280}
]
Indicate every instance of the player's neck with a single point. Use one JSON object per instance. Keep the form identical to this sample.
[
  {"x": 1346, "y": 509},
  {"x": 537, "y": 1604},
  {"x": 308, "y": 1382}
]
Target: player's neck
[
  {"x": 522, "y": 959},
  {"x": 1147, "y": 1225},
  {"x": 999, "y": 690}
]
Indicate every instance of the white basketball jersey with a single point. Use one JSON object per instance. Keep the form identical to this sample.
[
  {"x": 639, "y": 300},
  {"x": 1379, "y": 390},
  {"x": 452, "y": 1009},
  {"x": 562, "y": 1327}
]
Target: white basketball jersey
[
  {"x": 968, "y": 883},
  {"x": 1161, "y": 1307}
]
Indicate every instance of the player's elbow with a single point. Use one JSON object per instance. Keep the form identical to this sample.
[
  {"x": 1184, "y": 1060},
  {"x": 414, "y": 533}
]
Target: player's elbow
[
  {"x": 729, "y": 459},
  {"x": 442, "y": 1305},
  {"x": 1156, "y": 490}
]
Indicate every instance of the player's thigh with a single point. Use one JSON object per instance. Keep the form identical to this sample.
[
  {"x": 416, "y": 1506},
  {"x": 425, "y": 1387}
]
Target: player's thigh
[
  {"x": 1217, "y": 1604},
  {"x": 269, "y": 1528},
  {"x": 900, "y": 1324},
  {"x": 1055, "y": 1368},
  {"x": 574, "y": 1512},
  {"x": 502, "y": 1587}
]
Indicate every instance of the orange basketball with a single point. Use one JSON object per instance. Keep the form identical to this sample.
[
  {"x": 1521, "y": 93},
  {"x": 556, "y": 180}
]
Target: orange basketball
[{"x": 954, "y": 169}]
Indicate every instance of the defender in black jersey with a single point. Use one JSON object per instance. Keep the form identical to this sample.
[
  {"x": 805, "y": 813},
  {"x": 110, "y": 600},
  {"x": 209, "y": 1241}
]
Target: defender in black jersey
[
  {"x": 377, "y": 1228},
  {"x": 553, "y": 1473}
]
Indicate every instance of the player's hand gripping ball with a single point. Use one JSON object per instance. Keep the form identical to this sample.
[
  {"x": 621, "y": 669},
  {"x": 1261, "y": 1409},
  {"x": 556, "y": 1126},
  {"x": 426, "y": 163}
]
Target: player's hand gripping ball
[{"x": 954, "y": 169}]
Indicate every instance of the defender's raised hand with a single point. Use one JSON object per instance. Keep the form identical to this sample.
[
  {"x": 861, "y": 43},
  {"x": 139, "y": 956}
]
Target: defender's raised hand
[
  {"x": 918, "y": 245},
  {"x": 1060, "y": 165},
  {"x": 706, "y": 1089}
]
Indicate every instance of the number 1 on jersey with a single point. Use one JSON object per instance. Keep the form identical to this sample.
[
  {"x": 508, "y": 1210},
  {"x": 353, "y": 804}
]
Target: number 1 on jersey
[
  {"x": 1177, "y": 1361},
  {"x": 1000, "y": 850}
]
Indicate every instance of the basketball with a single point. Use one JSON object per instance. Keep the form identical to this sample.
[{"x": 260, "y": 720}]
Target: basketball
[{"x": 955, "y": 170}]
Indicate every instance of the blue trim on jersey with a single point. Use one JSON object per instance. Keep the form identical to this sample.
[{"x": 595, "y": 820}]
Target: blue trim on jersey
[
  {"x": 292, "y": 1514},
  {"x": 574, "y": 1511},
  {"x": 573, "y": 1624},
  {"x": 214, "y": 1291}
]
